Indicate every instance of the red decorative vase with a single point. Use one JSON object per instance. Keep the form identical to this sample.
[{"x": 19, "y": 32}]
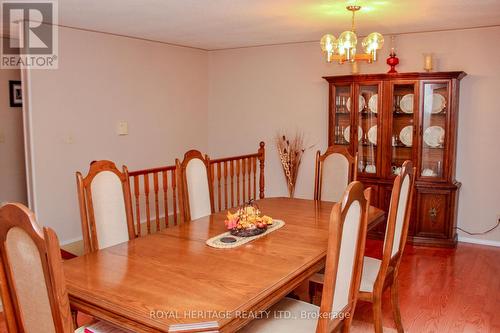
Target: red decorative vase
[{"x": 392, "y": 61}]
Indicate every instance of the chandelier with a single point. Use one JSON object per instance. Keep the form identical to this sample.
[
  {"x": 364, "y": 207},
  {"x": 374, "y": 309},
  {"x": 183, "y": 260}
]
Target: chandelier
[{"x": 344, "y": 48}]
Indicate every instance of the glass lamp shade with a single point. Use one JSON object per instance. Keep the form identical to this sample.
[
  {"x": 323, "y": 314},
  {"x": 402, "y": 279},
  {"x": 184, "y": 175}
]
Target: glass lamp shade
[
  {"x": 373, "y": 42},
  {"x": 327, "y": 42},
  {"x": 347, "y": 44}
]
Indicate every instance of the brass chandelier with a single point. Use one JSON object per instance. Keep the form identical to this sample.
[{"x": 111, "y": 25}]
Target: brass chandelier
[{"x": 343, "y": 49}]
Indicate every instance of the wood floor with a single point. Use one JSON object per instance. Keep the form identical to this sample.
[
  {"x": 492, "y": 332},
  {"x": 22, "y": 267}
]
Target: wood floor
[{"x": 442, "y": 290}]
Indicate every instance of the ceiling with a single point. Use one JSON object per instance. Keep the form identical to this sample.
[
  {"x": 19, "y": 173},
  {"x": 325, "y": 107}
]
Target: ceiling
[{"x": 220, "y": 24}]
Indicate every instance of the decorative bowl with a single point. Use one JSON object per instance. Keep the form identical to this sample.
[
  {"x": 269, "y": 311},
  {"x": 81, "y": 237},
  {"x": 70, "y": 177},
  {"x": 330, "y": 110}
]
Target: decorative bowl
[{"x": 247, "y": 232}]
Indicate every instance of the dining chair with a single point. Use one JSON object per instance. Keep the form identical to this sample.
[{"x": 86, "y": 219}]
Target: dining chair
[
  {"x": 195, "y": 185},
  {"x": 32, "y": 281},
  {"x": 334, "y": 170},
  {"x": 105, "y": 206},
  {"x": 379, "y": 275},
  {"x": 344, "y": 260}
]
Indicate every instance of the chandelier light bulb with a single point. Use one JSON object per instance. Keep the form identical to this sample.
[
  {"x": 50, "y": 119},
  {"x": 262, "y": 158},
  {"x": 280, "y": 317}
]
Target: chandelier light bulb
[
  {"x": 348, "y": 40},
  {"x": 347, "y": 43},
  {"x": 373, "y": 41},
  {"x": 327, "y": 42}
]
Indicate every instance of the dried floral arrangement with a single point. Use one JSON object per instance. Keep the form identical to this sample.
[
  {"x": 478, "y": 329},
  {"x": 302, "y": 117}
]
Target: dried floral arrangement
[{"x": 291, "y": 150}]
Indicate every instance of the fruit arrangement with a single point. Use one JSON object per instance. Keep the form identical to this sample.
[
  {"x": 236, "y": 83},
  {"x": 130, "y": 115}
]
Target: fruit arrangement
[{"x": 247, "y": 221}]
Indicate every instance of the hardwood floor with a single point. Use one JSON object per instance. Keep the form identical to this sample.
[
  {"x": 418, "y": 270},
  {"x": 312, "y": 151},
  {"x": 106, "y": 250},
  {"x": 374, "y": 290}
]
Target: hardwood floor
[{"x": 442, "y": 290}]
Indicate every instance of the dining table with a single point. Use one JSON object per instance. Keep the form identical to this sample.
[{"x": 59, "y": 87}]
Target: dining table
[{"x": 172, "y": 281}]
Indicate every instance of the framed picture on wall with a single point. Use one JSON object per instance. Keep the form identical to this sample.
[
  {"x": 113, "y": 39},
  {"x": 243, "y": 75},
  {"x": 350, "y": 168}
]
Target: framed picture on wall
[{"x": 15, "y": 93}]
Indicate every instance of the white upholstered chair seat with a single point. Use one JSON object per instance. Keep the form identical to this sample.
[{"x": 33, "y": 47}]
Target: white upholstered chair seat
[
  {"x": 371, "y": 266},
  {"x": 275, "y": 324}
]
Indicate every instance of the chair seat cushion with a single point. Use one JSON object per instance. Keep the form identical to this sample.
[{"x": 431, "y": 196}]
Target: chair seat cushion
[
  {"x": 303, "y": 318},
  {"x": 99, "y": 327},
  {"x": 371, "y": 266}
]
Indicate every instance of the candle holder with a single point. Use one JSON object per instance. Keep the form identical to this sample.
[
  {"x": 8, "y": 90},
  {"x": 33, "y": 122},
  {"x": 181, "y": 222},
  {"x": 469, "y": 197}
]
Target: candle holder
[
  {"x": 428, "y": 62},
  {"x": 392, "y": 61}
]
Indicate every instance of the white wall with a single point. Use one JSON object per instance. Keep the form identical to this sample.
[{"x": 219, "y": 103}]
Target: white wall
[
  {"x": 168, "y": 95},
  {"x": 254, "y": 92},
  {"x": 12, "y": 169},
  {"x": 161, "y": 90}
]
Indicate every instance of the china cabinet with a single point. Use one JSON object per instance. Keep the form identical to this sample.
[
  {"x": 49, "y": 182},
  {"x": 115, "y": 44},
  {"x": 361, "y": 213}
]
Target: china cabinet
[{"x": 389, "y": 118}]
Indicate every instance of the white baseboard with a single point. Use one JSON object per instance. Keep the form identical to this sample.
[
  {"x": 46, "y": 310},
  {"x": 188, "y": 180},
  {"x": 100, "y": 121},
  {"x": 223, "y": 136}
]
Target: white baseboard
[{"x": 478, "y": 241}]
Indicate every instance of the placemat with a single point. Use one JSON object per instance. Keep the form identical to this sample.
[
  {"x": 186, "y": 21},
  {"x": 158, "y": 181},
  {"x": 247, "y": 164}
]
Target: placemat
[{"x": 215, "y": 241}]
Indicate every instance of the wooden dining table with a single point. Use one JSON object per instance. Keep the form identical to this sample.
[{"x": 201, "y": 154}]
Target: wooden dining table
[{"x": 173, "y": 278}]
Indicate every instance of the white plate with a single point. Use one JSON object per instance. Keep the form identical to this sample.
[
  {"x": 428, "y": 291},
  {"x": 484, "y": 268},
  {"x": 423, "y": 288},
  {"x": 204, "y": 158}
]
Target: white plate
[
  {"x": 406, "y": 135},
  {"x": 406, "y": 103},
  {"x": 434, "y": 103},
  {"x": 347, "y": 133},
  {"x": 434, "y": 136},
  {"x": 373, "y": 103},
  {"x": 370, "y": 168},
  {"x": 361, "y": 103},
  {"x": 428, "y": 173},
  {"x": 372, "y": 134}
]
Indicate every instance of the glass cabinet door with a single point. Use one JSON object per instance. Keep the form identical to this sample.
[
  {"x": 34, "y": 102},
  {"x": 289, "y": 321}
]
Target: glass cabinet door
[
  {"x": 404, "y": 107},
  {"x": 434, "y": 129},
  {"x": 341, "y": 116},
  {"x": 367, "y": 135}
]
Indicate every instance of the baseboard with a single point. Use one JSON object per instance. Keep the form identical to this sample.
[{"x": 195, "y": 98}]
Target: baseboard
[{"x": 478, "y": 241}]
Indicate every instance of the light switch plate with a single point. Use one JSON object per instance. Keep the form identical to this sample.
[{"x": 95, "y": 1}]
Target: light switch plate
[
  {"x": 69, "y": 139},
  {"x": 122, "y": 128}
]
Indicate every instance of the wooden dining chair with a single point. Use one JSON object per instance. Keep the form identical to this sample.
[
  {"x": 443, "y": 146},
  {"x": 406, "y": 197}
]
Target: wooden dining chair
[
  {"x": 105, "y": 206},
  {"x": 334, "y": 170},
  {"x": 196, "y": 192},
  {"x": 379, "y": 275},
  {"x": 346, "y": 244},
  {"x": 32, "y": 281}
]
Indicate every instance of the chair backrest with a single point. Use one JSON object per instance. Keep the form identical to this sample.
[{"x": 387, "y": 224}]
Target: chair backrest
[
  {"x": 398, "y": 219},
  {"x": 105, "y": 206},
  {"x": 344, "y": 261},
  {"x": 196, "y": 193},
  {"x": 31, "y": 275},
  {"x": 334, "y": 170}
]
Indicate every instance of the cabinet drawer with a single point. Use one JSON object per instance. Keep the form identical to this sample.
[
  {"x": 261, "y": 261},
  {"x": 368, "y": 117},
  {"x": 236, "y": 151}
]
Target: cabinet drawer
[{"x": 432, "y": 213}]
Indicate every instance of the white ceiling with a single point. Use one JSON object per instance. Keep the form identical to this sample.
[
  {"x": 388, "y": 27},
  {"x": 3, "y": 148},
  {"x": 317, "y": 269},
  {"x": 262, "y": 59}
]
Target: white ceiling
[{"x": 219, "y": 24}]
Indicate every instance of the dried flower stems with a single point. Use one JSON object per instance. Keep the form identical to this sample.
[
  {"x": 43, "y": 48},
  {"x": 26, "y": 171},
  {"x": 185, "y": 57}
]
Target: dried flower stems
[{"x": 290, "y": 153}]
